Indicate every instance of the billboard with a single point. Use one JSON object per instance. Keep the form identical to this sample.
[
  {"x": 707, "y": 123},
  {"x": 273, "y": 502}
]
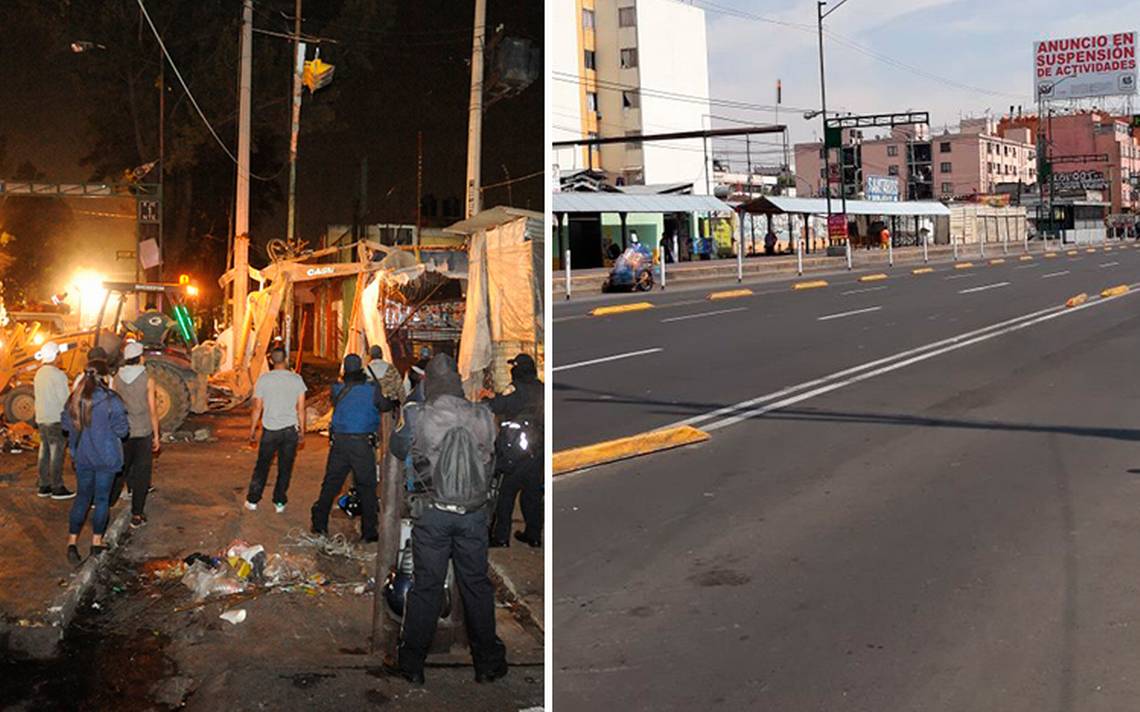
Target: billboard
[
  {"x": 1079, "y": 181},
  {"x": 881, "y": 188},
  {"x": 1096, "y": 65}
]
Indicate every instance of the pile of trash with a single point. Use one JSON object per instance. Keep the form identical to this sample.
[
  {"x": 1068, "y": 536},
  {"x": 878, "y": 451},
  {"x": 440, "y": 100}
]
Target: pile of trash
[
  {"x": 246, "y": 568},
  {"x": 18, "y": 437}
]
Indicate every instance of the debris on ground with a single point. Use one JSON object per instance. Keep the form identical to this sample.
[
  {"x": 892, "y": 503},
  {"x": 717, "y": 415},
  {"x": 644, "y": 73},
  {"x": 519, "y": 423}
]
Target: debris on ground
[
  {"x": 199, "y": 435},
  {"x": 205, "y": 581},
  {"x": 18, "y": 437},
  {"x": 234, "y": 615}
]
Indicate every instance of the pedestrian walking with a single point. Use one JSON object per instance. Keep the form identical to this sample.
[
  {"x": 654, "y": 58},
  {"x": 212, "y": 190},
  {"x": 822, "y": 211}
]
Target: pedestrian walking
[
  {"x": 95, "y": 420},
  {"x": 279, "y": 410},
  {"x": 357, "y": 404},
  {"x": 518, "y": 454},
  {"x": 136, "y": 388},
  {"x": 51, "y": 392},
  {"x": 452, "y": 446}
]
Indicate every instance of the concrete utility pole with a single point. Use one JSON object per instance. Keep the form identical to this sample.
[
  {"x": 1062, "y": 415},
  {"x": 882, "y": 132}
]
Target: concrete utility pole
[
  {"x": 475, "y": 111},
  {"x": 241, "y": 203},
  {"x": 823, "y": 112},
  {"x": 294, "y": 135}
]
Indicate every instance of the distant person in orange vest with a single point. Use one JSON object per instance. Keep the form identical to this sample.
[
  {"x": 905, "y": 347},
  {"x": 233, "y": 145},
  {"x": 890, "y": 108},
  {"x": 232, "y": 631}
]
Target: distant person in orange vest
[{"x": 885, "y": 237}]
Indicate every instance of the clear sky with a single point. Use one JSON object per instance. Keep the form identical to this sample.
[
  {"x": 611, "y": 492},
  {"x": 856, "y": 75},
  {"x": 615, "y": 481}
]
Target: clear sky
[{"x": 979, "y": 53}]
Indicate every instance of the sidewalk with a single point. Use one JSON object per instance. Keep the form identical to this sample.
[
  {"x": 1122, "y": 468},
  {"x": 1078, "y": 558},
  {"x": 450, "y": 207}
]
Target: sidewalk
[
  {"x": 302, "y": 634},
  {"x": 588, "y": 282}
]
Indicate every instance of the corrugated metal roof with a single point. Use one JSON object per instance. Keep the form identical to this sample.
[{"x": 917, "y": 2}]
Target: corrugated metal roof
[
  {"x": 625, "y": 203},
  {"x": 492, "y": 217},
  {"x": 818, "y": 206}
]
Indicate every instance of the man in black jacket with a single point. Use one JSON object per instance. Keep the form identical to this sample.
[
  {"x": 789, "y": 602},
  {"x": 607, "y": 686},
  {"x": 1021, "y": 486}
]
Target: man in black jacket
[{"x": 520, "y": 411}]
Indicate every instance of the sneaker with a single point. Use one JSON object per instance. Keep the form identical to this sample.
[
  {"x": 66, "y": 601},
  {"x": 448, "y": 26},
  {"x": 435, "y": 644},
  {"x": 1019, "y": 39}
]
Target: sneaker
[
  {"x": 251, "y": 506},
  {"x": 44, "y": 491},
  {"x": 532, "y": 541},
  {"x": 61, "y": 493},
  {"x": 73, "y": 555},
  {"x": 279, "y": 507},
  {"x": 137, "y": 520}
]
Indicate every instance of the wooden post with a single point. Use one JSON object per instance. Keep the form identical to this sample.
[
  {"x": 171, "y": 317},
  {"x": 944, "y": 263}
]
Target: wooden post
[{"x": 385, "y": 631}]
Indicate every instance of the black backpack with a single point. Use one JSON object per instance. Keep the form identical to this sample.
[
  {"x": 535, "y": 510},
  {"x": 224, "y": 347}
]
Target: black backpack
[
  {"x": 459, "y": 477},
  {"x": 519, "y": 442}
]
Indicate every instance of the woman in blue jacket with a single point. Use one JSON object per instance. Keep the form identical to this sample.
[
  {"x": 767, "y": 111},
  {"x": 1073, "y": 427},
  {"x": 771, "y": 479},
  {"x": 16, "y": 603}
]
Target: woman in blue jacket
[{"x": 96, "y": 422}]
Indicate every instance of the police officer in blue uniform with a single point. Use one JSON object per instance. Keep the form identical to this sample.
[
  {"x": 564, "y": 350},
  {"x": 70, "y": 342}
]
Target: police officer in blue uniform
[{"x": 357, "y": 405}]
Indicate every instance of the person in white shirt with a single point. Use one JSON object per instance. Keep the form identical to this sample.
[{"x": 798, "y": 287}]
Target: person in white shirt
[{"x": 51, "y": 392}]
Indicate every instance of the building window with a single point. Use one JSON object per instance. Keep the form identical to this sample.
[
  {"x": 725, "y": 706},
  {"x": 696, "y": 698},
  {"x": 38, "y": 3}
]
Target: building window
[
  {"x": 944, "y": 167},
  {"x": 591, "y": 60},
  {"x": 629, "y": 58},
  {"x": 627, "y": 17},
  {"x": 587, "y": 19},
  {"x": 947, "y": 188},
  {"x": 592, "y": 101},
  {"x": 989, "y": 148},
  {"x": 630, "y": 99},
  {"x": 892, "y": 150},
  {"x": 944, "y": 147},
  {"x": 822, "y": 172},
  {"x": 632, "y": 144},
  {"x": 892, "y": 170},
  {"x": 989, "y": 167}
]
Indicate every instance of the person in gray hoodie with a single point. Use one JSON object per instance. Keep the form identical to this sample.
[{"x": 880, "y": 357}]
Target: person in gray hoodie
[{"x": 136, "y": 389}]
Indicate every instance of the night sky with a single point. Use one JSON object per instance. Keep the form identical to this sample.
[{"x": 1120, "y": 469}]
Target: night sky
[{"x": 418, "y": 81}]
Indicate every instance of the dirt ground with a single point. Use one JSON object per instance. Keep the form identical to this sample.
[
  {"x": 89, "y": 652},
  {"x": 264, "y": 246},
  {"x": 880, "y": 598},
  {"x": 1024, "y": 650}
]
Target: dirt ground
[{"x": 139, "y": 641}]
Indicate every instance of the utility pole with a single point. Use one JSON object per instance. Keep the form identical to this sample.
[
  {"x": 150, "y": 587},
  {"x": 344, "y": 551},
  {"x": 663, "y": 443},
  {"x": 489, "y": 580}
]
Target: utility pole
[
  {"x": 475, "y": 111},
  {"x": 419, "y": 189},
  {"x": 294, "y": 131},
  {"x": 823, "y": 111},
  {"x": 241, "y": 203},
  {"x": 161, "y": 159}
]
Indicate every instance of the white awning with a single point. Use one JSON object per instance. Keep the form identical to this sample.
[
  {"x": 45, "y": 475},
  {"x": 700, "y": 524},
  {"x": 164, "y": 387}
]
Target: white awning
[
  {"x": 589, "y": 202},
  {"x": 818, "y": 206}
]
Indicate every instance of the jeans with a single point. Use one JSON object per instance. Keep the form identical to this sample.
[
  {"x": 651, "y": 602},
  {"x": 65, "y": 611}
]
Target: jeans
[
  {"x": 52, "y": 447},
  {"x": 94, "y": 485},
  {"x": 345, "y": 454},
  {"x": 138, "y": 464},
  {"x": 438, "y": 537},
  {"x": 527, "y": 479},
  {"x": 283, "y": 444}
]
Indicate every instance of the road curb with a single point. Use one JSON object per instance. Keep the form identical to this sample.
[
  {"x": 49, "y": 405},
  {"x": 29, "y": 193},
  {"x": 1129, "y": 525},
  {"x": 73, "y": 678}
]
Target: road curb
[
  {"x": 580, "y": 458},
  {"x": 39, "y": 640},
  {"x": 811, "y": 284},
  {"x": 504, "y": 582},
  {"x": 877, "y": 277},
  {"x": 998, "y": 261},
  {"x": 1025, "y": 258},
  {"x": 922, "y": 270},
  {"x": 1077, "y": 300},
  {"x": 1115, "y": 291},
  {"x": 964, "y": 265},
  {"x": 620, "y": 308},
  {"x": 729, "y": 294}
]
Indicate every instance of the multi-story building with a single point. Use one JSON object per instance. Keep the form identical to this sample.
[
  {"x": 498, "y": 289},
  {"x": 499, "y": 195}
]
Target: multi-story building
[
  {"x": 623, "y": 68},
  {"x": 972, "y": 161},
  {"x": 1107, "y": 146}
]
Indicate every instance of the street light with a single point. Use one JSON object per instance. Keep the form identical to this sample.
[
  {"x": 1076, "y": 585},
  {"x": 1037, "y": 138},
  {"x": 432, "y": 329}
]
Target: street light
[{"x": 820, "y": 14}]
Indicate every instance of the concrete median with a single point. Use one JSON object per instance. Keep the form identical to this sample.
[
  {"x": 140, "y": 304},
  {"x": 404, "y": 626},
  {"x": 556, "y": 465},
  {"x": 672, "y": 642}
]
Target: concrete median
[{"x": 580, "y": 458}]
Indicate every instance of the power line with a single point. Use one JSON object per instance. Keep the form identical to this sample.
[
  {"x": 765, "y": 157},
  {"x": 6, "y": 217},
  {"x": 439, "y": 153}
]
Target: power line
[
  {"x": 671, "y": 95},
  {"x": 189, "y": 94}
]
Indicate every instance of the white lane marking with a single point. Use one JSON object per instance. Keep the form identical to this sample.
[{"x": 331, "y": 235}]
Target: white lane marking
[
  {"x": 693, "y": 420},
  {"x": 1110, "y": 264},
  {"x": 591, "y": 362},
  {"x": 862, "y": 291},
  {"x": 983, "y": 288},
  {"x": 840, "y": 315},
  {"x": 1025, "y": 323},
  {"x": 1028, "y": 266},
  {"x": 1054, "y": 274},
  {"x": 964, "y": 275},
  {"x": 699, "y": 315}
]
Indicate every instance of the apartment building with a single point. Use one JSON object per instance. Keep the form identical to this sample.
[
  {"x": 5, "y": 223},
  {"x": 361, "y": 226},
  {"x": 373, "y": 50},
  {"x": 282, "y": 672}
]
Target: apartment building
[
  {"x": 622, "y": 68},
  {"x": 974, "y": 160}
]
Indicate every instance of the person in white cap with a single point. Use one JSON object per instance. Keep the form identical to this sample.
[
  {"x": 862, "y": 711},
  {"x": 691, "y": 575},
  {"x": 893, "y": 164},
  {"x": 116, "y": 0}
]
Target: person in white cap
[
  {"x": 136, "y": 389},
  {"x": 51, "y": 392}
]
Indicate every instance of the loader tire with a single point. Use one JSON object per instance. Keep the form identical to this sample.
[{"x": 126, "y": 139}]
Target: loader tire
[
  {"x": 171, "y": 396},
  {"x": 20, "y": 405}
]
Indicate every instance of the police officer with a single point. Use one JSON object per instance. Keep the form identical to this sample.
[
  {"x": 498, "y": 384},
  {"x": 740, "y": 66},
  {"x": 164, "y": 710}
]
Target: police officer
[
  {"x": 357, "y": 404},
  {"x": 521, "y": 410},
  {"x": 443, "y": 533}
]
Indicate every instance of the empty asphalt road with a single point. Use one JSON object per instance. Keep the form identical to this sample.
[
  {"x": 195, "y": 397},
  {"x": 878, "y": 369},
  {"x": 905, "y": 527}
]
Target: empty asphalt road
[{"x": 923, "y": 497}]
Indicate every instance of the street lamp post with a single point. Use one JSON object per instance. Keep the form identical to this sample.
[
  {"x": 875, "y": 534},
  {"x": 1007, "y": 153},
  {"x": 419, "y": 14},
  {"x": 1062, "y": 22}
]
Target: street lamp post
[{"x": 820, "y": 16}]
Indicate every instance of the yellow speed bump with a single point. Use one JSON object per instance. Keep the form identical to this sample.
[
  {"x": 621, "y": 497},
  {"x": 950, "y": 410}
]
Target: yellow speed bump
[
  {"x": 620, "y": 308},
  {"x": 1108, "y": 249},
  {"x": 813, "y": 284},
  {"x": 1115, "y": 291},
  {"x": 623, "y": 448},
  {"x": 1050, "y": 254},
  {"x": 1070, "y": 253},
  {"x": 1091, "y": 250},
  {"x": 998, "y": 261},
  {"x": 1077, "y": 300},
  {"x": 1025, "y": 258},
  {"x": 878, "y": 277},
  {"x": 964, "y": 265},
  {"x": 922, "y": 270},
  {"x": 731, "y": 294}
]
